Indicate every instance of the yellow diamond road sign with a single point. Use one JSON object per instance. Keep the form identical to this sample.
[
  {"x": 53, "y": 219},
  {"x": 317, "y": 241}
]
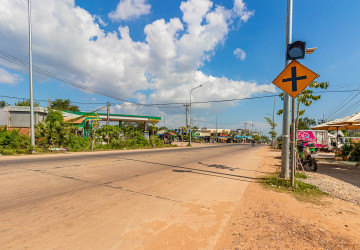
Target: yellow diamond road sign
[{"x": 294, "y": 78}]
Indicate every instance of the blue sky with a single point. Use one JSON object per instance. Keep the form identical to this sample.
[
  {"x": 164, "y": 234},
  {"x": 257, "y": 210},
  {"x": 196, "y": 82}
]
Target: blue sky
[{"x": 157, "y": 51}]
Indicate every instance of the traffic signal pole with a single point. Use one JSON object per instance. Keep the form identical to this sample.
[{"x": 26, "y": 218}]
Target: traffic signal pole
[{"x": 286, "y": 106}]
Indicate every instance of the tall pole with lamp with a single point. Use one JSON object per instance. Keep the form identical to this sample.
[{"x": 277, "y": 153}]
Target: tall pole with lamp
[
  {"x": 190, "y": 111},
  {"x": 32, "y": 130}
]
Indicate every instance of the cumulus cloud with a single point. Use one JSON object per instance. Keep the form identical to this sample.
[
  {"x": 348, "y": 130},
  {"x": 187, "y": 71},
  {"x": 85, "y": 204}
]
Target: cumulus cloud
[
  {"x": 68, "y": 41},
  {"x": 7, "y": 78},
  {"x": 241, "y": 10},
  {"x": 130, "y": 9},
  {"x": 240, "y": 54}
]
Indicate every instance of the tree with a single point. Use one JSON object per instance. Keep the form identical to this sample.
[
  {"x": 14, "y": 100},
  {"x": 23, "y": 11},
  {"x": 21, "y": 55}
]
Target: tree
[
  {"x": 53, "y": 131},
  {"x": 272, "y": 132},
  {"x": 306, "y": 98},
  {"x": 25, "y": 102},
  {"x": 3, "y": 104},
  {"x": 306, "y": 123},
  {"x": 63, "y": 105}
]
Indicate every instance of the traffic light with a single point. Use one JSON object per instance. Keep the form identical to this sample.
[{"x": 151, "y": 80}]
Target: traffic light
[{"x": 295, "y": 50}]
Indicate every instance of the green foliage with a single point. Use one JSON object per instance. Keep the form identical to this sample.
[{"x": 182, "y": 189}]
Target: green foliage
[
  {"x": 306, "y": 123},
  {"x": 25, "y": 102},
  {"x": 300, "y": 175},
  {"x": 232, "y": 134},
  {"x": 76, "y": 143},
  {"x": 52, "y": 131},
  {"x": 256, "y": 137},
  {"x": 307, "y": 96},
  {"x": 64, "y": 105},
  {"x": 355, "y": 152},
  {"x": 12, "y": 142},
  {"x": 3, "y": 104},
  {"x": 113, "y": 132},
  {"x": 347, "y": 149},
  {"x": 301, "y": 190},
  {"x": 272, "y": 133}
]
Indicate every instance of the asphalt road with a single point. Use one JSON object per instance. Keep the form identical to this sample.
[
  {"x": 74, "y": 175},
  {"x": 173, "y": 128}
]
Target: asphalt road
[{"x": 172, "y": 198}]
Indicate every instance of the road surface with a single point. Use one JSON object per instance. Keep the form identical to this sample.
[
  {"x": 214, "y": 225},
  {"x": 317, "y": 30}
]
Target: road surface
[{"x": 175, "y": 198}]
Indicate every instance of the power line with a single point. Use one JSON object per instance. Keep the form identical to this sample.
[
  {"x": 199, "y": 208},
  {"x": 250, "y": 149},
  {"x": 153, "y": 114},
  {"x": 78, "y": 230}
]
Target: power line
[
  {"x": 22, "y": 98},
  {"x": 22, "y": 63}
]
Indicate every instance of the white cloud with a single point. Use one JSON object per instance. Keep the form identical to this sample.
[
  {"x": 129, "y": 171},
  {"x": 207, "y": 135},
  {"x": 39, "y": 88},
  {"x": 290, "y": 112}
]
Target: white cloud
[
  {"x": 239, "y": 53},
  {"x": 100, "y": 20},
  {"x": 241, "y": 10},
  {"x": 68, "y": 41},
  {"x": 130, "y": 9},
  {"x": 7, "y": 78}
]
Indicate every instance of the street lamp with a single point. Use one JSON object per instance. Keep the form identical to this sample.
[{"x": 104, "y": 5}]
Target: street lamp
[
  {"x": 273, "y": 117},
  {"x": 190, "y": 111},
  {"x": 32, "y": 130}
]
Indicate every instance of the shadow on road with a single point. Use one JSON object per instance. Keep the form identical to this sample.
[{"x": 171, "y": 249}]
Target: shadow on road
[{"x": 199, "y": 171}]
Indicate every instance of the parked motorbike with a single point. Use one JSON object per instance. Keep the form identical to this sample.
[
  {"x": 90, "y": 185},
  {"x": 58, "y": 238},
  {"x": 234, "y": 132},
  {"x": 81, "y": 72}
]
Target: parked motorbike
[{"x": 307, "y": 156}]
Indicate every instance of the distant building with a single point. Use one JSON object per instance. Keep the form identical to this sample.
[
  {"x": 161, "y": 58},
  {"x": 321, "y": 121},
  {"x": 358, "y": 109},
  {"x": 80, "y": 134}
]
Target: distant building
[{"x": 18, "y": 117}]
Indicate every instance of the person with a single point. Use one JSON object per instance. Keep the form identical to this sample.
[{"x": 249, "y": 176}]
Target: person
[{"x": 253, "y": 142}]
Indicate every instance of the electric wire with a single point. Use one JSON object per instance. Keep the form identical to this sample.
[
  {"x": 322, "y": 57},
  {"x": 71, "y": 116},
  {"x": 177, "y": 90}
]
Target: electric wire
[{"x": 22, "y": 63}]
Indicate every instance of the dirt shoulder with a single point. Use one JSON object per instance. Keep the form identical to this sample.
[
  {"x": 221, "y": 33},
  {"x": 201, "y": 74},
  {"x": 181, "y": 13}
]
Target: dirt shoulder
[{"x": 268, "y": 219}]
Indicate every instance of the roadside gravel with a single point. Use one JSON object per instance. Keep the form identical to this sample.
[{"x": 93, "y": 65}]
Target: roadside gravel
[{"x": 337, "y": 179}]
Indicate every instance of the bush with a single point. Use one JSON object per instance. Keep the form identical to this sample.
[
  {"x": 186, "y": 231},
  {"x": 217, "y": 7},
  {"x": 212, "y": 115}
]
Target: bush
[
  {"x": 12, "y": 142},
  {"x": 76, "y": 143},
  {"x": 356, "y": 150},
  {"x": 347, "y": 149}
]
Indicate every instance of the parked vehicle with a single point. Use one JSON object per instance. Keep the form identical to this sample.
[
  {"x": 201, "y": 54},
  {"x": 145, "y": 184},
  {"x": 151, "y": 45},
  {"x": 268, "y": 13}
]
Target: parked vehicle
[
  {"x": 307, "y": 155},
  {"x": 321, "y": 139}
]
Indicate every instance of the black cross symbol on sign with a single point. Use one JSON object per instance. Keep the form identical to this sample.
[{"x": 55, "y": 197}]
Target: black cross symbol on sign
[{"x": 294, "y": 79}]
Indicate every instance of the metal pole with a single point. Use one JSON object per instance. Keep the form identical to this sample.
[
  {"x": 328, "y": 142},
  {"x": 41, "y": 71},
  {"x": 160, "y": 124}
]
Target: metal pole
[
  {"x": 286, "y": 106},
  {"x": 186, "y": 114},
  {"x": 107, "y": 122},
  {"x": 190, "y": 117},
  {"x": 273, "y": 141},
  {"x": 32, "y": 130},
  {"x": 190, "y": 111},
  {"x": 216, "y": 128},
  {"x": 293, "y": 160}
]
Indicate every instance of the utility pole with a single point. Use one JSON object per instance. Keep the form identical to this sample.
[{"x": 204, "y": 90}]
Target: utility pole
[
  {"x": 186, "y": 114},
  {"x": 49, "y": 103},
  {"x": 273, "y": 120},
  {"x": 216, "y": 127},
  {"x": 252, "y": 128},
  {"x": 32, "y": 130},
  {"x": 190, "y": 112},
  {"x": 107, "y": 121},
  {"x": 286, "y": 105},
  {"x": 198, "y": 122}
]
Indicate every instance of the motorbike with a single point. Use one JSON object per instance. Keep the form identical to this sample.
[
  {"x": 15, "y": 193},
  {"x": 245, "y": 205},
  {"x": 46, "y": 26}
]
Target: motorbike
[{"x": 307, "y": 156}]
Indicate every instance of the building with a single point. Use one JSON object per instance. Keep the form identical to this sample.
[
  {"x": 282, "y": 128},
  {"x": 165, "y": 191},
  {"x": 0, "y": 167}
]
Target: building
[{"x": 18, "y": 117}]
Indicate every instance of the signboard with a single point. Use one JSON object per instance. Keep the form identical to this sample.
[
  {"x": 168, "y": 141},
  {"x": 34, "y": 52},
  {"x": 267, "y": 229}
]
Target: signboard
[{"x": 294, "y": 78}]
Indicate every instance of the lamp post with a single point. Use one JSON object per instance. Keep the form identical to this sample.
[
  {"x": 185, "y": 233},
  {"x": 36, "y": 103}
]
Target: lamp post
[
  {"x": 32, "y": 130},
  {"x": 190, "y": 110},
  {"x": 273, "y": 118}
]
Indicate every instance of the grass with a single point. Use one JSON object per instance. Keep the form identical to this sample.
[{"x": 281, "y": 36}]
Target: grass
[
  {"x": 300, "y": 175},
  {"x": 301, "y": 191}
]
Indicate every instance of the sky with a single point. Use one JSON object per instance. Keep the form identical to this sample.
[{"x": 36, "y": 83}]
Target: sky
[{"x": 136, "y": 52}]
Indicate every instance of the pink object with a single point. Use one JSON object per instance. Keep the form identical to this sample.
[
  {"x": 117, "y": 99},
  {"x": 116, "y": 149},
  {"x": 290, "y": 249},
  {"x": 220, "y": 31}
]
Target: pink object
[{"x": 316, "y": 137}]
